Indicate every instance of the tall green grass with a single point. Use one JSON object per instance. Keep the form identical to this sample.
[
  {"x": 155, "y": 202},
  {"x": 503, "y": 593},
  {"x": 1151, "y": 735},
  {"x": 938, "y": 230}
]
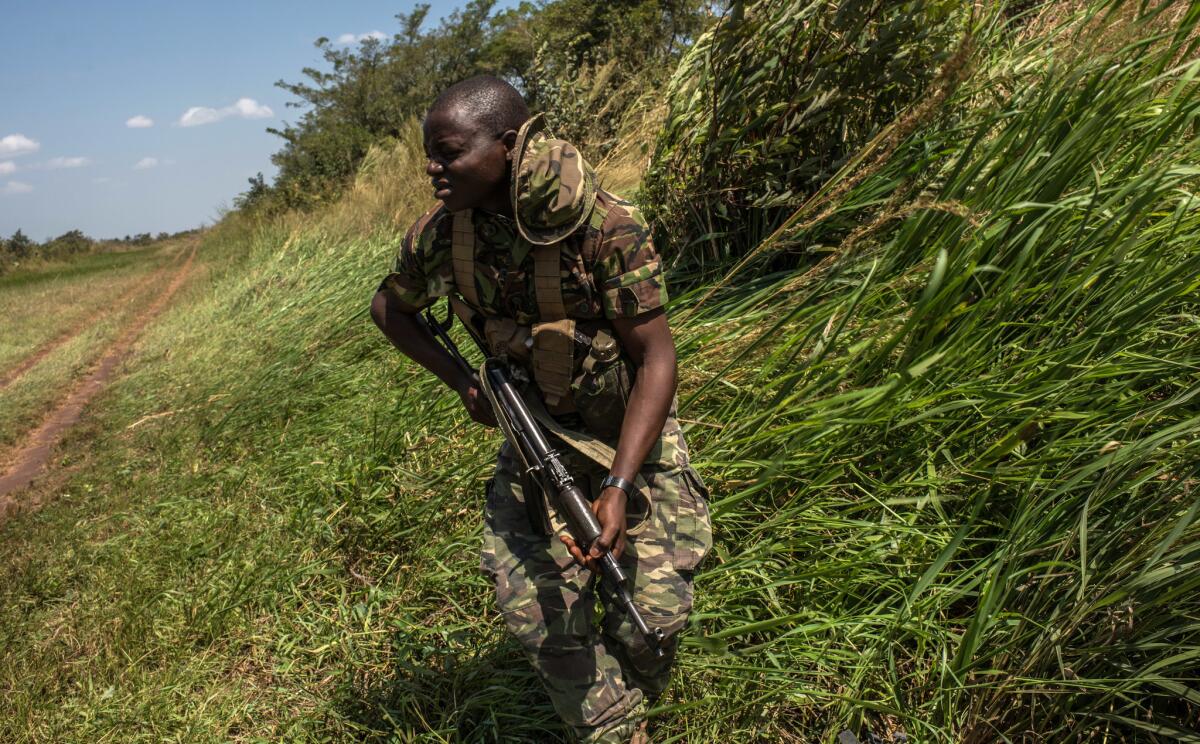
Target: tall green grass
[
  {"x": 772, "y": 101},
  {"x": 960, "y": 455},
  {"x": 953, "y": 457}
]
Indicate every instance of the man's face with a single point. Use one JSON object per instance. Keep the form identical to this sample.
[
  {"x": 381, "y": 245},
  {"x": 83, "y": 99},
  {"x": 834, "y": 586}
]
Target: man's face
[{"x": 468, "y": 164}]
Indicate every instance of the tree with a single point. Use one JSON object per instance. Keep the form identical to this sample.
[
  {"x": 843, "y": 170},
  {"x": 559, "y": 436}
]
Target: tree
[
  {"x": 73, "y": 241},
  {"x": 573, "y": 58},
  {"x": 21, "y": 245}
]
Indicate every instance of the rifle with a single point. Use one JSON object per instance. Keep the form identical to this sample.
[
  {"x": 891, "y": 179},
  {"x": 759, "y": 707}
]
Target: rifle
[{"x": 525, "y": 435}]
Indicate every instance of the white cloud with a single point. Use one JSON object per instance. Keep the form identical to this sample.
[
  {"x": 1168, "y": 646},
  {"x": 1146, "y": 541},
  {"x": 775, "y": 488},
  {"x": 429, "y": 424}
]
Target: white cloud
[
  {"x": 17, "y": 144},
  {"x": 252, "y": 109},
  {"x": 16, "y": 187},
  {"x": 76, "y": 162},
  {"x": 243, "y": 108},
  {"x": 139, "y": 122},
  {"x": 346, "y": 39},
  {"x": 197, "y": 115},
  {"x": 146, "y": 163},
  {"x": 7, "y": 167}
]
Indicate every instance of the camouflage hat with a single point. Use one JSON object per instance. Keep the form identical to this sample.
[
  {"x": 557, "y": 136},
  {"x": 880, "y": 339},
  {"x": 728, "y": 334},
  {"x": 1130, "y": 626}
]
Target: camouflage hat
[{"x": 553, "y": 187}]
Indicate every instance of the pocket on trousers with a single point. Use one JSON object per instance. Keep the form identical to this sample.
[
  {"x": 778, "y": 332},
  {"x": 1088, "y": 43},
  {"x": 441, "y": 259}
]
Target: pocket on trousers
[
  {"x": 693, "y": 526},
  {"x": 487, "y": 552}
]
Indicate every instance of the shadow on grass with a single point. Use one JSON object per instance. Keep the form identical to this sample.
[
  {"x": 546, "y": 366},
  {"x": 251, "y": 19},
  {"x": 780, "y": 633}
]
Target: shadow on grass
[{"x": 489, "y": 694}]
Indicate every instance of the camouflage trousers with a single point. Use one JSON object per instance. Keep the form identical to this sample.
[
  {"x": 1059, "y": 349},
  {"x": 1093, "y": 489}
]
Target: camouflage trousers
[{"x": 599, "y": 672}]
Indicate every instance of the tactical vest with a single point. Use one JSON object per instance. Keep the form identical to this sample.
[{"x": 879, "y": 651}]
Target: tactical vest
[{"x": 601, "y": 389}]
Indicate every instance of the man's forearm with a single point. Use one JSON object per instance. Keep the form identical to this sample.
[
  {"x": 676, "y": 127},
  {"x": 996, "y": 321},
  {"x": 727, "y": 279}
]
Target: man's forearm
[
  {"x": 411, "y": 337},
  {"x": 645, "y": 414},
  {"x": 647, "y": 339}
]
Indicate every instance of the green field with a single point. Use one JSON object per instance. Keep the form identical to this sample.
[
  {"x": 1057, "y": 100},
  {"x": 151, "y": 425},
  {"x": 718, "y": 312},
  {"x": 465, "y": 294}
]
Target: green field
[
  {"x": 949, "y": 412},
  {"x": 40, "y": 304}
]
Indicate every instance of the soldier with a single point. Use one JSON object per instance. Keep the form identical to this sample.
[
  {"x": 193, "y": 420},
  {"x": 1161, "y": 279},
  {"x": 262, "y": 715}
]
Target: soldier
[{"x": 562, "y": 279}]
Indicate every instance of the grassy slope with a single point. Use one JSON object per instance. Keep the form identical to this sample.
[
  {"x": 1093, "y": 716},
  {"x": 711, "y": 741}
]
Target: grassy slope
[{"x": 953, "y": 470}]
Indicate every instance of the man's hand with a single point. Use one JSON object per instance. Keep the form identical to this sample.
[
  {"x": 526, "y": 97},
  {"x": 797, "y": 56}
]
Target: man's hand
[
  {"x": 403, "y": 327},
  {"x": 610, "y": 512},
  {"x": 477, "y": 405}
]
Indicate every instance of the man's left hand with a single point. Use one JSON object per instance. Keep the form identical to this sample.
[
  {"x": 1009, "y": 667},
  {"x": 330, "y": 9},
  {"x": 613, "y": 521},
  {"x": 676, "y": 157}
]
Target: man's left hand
[{"x": 610, "y": 512}]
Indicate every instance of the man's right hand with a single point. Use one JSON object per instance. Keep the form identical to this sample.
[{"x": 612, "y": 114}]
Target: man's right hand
[
  {"x": 407, "y": 333},
  {"x": 477, "y": 405}
]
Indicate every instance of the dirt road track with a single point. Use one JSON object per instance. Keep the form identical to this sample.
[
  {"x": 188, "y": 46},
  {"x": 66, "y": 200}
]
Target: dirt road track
[
  {"x": 25, "y": 463},
  {"x": 12, "y": 375}
]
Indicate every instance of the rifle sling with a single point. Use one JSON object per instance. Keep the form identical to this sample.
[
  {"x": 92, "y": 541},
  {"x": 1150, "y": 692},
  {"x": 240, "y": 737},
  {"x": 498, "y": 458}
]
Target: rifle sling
[{"x": 583, "y": 443}]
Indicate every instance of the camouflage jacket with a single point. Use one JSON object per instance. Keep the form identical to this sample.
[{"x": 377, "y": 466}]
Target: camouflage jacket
[{"x": 610, "y": 268}]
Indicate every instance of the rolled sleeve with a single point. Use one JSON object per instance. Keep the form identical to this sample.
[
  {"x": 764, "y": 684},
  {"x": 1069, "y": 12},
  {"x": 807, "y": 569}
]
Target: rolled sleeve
[
  {"x": 410, "y": 301},
  {"x": 421, "y": 272},
  {"x": 629, "y": 270},
  {"x": 635, "y": 292}
]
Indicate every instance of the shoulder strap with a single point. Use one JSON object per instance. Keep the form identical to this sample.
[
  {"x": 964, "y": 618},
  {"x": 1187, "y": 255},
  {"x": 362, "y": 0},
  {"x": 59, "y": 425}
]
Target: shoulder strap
[
  {"x": 547, "y": 282},
  {"x": 591, "y": 244},
  {"x": 462, "y": 256}
]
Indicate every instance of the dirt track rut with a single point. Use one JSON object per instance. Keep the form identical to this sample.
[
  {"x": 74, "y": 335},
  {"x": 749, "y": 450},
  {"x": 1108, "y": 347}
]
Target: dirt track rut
[{"x": 26, "y": 462}]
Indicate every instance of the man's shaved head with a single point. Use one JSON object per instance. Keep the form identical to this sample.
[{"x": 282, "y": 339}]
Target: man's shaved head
[
  {"x": 469, "y": 132},
  {"x": 486, "y": 100}
]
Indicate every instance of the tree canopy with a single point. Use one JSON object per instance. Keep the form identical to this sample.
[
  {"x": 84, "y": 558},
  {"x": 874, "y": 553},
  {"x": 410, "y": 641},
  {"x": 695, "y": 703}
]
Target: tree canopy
[{"x": 364, "y": 94}]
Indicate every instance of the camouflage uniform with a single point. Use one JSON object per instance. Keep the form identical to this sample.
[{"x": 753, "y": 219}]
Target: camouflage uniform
[
  {"x": 623, "y": 279},
  {"x": 599, "y": 679}
]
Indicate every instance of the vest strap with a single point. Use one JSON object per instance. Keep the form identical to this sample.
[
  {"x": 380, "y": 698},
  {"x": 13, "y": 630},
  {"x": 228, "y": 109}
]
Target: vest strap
[
  {"x": 553, "y": 337},
  {"x": 553, "y": 361},
  {"x": 462, "y": 256},
  {"x": 547, "y": 282}
]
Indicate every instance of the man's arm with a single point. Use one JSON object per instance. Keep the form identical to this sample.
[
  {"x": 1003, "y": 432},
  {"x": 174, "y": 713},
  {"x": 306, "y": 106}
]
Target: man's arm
[
  {"x": 647, "y": 339},
  {"x": 412, "y": 338}
]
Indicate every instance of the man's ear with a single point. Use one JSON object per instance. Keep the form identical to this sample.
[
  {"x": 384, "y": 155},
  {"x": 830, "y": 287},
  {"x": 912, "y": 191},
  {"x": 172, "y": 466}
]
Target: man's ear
[{"x": 509, "y": 138}]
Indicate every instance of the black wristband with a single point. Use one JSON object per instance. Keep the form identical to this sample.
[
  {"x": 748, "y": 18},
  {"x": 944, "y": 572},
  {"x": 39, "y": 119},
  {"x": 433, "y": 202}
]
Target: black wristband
[{"x": 618, "y": 482}]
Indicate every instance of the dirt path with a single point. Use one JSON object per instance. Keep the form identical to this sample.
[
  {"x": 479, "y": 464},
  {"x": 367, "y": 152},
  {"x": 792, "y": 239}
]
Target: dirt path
[
  {"x": 25, "y": 463},
  {"x": 13, "y": 374}
]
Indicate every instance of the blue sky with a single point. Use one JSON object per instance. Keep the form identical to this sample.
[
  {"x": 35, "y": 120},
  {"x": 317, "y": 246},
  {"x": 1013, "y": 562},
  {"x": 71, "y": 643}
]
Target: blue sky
[{"x": 75, "y": 74}]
